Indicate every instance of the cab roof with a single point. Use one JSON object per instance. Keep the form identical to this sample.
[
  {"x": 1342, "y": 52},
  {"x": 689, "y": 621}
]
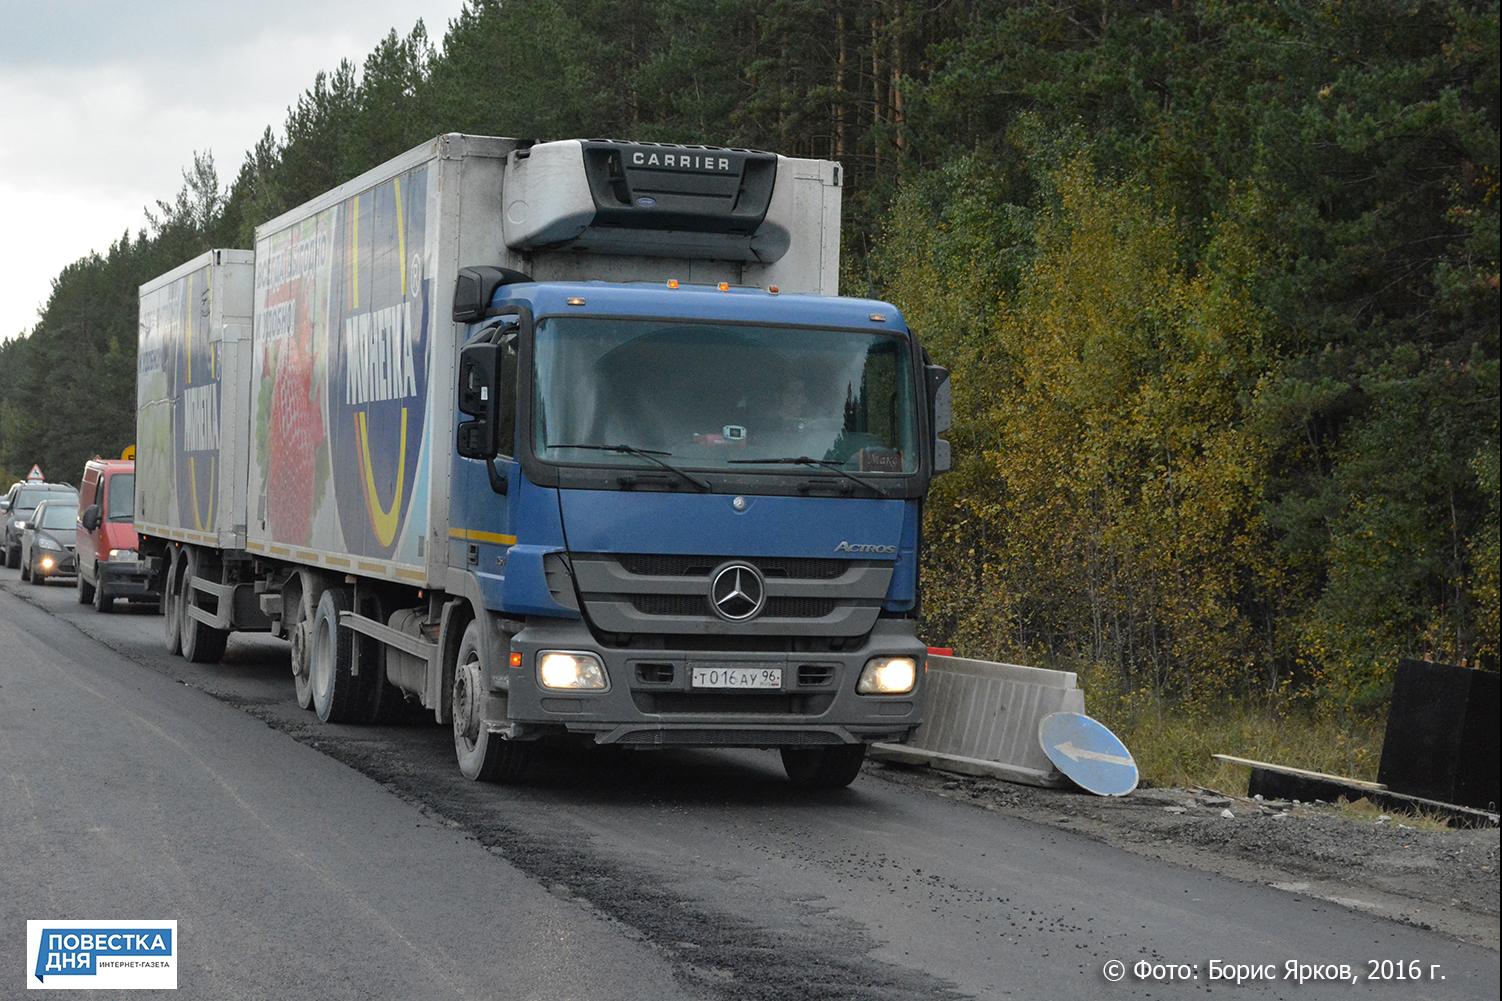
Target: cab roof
[{"x": 739, "y": 304}]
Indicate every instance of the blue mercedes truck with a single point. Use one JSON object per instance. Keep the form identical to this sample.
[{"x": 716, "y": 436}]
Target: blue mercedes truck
[{"x": 563, "y": 441}]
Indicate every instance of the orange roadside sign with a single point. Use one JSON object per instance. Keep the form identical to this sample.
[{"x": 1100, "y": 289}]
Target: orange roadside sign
[{"x": 129, "y": 455}]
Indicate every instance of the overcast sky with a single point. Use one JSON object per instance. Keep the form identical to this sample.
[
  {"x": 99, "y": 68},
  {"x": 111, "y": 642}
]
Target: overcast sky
[{"x": 103, "y": 104}]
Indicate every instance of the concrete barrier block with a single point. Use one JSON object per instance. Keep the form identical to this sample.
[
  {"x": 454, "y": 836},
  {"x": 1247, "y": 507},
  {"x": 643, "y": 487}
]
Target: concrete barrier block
[{"x": 982, "y": 719}]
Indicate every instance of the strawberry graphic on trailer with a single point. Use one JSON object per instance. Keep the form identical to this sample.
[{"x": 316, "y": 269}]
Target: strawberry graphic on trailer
[{"x": 294, "y": 428}]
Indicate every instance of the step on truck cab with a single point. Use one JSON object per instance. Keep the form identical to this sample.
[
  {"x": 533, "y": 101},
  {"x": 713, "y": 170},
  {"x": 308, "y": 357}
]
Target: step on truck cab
[{"x": 571, "y": 441}]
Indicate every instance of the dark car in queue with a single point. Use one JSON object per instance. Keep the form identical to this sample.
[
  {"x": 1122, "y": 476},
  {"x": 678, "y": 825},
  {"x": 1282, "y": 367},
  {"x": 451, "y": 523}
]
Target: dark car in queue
[
  {"x": 49, "y": 541},
  {"x": 24, "y": 498}
]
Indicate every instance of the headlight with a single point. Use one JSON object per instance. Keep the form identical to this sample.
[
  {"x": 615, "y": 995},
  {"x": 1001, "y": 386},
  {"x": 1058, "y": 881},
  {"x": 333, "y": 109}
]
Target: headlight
[
  {"x": 123, "y": 555},
  {"x": 47, "y": 563},
  {"x": 46, "y": 543},
  {"x": 570, "y": 671},
  {"x": 888, "y": 676}
]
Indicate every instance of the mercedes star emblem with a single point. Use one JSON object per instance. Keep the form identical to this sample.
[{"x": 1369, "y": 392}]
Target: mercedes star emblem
[{"x": 737, "y": 592}]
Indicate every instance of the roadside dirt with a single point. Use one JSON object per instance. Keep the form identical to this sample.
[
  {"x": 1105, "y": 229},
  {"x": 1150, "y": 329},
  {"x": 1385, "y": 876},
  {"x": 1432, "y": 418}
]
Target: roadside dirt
[{"x": 1446, "y": 880}]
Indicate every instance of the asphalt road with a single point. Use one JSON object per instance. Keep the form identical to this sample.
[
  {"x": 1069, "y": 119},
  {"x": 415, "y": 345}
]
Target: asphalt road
[{"x": 304, "y": 860}]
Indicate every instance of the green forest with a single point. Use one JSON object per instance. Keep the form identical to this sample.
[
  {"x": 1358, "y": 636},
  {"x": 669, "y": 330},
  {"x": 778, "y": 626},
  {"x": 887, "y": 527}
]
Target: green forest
[{"x": 1217, "y": 281}]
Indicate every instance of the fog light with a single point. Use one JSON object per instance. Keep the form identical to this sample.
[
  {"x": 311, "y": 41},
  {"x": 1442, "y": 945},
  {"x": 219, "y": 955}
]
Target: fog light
[
  {"x": 888, "y": 676},
  {"x": 572, "y": 671}
]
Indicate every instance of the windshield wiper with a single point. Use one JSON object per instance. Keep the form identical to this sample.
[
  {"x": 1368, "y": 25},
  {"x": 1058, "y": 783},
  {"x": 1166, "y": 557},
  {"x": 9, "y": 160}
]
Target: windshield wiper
[
  {"x": 650, "y": 454},
  {"x": 807, "y": 460}
]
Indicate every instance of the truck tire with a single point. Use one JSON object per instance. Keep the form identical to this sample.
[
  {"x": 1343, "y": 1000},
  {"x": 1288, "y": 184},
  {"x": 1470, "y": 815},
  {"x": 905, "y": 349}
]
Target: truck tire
[
  {"x": 382, "y": 702},
  {"x": 299, "y": 630},
  {"x": 482, "y": 756},
  {"x": 172, "y": 602},
  {"x": 201, "y": 644},
  {"x": 85, "y": 589},
  {"x": 338, "y": 695},
  {"x": 104, "y": 602},
  {"x": 823, "y": 767}
]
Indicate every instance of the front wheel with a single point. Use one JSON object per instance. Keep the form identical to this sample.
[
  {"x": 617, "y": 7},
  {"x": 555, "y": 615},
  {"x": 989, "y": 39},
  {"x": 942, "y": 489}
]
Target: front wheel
[
  {"x": 26, "y": 572},
  {"x": 85, "y": 589},
  {"x": 103, "y": 600},
  {"x": 482, "y": 755},
  {"x": 823, "y": 767},
  {"x": 12, "y": 558}
]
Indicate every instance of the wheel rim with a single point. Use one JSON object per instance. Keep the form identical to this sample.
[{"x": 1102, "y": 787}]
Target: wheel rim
[
  {"x": 321, "y": 667},
  {"x": 467, "y": 702}
]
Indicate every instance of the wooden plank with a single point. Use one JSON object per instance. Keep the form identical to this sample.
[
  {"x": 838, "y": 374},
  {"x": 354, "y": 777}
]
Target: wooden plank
[{"x": 1305, "y": 773}]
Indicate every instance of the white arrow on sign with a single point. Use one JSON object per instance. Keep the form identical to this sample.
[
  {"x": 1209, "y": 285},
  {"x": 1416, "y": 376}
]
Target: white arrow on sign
[{"x": 1083, "y": 754}]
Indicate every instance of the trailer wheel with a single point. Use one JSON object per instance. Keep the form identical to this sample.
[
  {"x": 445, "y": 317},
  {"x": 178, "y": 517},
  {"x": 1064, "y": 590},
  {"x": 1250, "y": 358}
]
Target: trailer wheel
[
  {"x": 299, "y": 629},
  {"x": 482, "y": 756},
  {"x": 172, "y": 602},
  {"x": 337, "y": 693},
  {"x": 823, "y": 767},
  {"x": 202, "y": 644}
]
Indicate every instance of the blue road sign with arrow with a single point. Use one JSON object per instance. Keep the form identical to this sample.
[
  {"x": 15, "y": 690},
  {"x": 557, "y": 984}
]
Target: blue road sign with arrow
[{"x": 1088, "y": 754}]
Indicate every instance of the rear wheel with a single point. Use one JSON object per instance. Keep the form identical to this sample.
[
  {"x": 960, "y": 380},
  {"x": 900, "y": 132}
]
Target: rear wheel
[
  {"x": 172, "y": 602},
  {"x": 482, "y": 755},
  {"x": 823, "y": 767},
  {"x": 201, "y": 643},
  {"x": 337, "y": 692}
]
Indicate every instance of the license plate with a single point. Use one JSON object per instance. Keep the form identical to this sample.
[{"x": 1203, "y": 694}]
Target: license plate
[{"x": 736, "y": 677}]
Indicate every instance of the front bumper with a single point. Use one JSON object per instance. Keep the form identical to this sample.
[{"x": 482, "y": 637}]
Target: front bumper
[
  {"x": 127, "y": 580},
  {"x": 650, "y": 702},
  {"x": 64, "y": 563}
]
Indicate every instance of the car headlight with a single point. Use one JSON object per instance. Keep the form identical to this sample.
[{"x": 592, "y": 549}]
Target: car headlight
[
  {"x": 123, "y": 555},
  {"x": 44, "y": 543},
  {"x": 888, "y": 676},
  {"x": 565, "y": 670}
]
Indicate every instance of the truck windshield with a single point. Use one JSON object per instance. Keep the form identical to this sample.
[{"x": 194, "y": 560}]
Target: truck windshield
[
  {"x": 713, "y": 396},
  {"x": 122, "y": 497}
]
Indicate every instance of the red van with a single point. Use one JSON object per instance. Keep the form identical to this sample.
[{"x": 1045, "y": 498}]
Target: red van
[{"x": 109, "y": 564}]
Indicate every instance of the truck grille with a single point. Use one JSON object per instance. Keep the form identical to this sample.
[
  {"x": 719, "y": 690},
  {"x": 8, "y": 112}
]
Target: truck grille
[
  {"x": 648, "y": 565},
  {"x": 688, "y": 604},
  {"x": 658, "y": 594}
]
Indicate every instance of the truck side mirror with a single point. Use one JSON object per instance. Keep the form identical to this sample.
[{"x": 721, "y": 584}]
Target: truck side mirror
[
  {"x": 90, "y": 518},
  {"x": 941, "y": 404},
  {"x": 479, "y": 387},
  {"x": 941, "y": 397}
]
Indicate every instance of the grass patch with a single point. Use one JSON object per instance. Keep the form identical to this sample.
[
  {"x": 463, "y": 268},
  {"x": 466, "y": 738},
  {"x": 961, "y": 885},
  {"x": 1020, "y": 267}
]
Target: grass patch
[
  {"x": 1173, "y": 741},
  {"x": 1365, "y": 810}
]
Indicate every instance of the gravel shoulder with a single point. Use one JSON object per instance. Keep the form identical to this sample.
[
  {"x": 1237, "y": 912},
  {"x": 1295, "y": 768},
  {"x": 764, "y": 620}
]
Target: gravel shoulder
[{"x": 1445, "y": 880}]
